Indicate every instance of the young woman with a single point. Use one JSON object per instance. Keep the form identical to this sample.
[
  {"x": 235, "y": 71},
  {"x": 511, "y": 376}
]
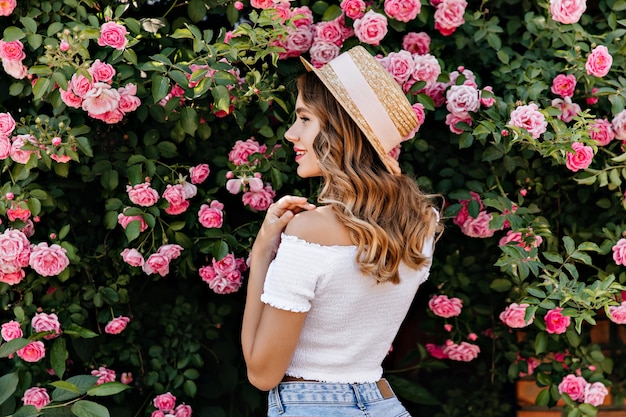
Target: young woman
[{"x": 330, "y": 285}]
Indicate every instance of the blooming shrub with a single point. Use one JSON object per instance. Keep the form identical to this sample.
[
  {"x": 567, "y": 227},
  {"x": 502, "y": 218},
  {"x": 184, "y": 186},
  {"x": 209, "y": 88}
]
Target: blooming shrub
[{"x": 141, "y": 143}]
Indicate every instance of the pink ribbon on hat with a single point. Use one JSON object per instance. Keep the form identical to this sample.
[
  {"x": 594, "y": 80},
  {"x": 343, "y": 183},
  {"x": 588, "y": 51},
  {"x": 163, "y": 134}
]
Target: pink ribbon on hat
[{"x": 366, "y": 101}]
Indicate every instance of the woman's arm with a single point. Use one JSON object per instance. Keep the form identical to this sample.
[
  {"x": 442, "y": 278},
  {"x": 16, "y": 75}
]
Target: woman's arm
[{"x": 269, "y": 336}]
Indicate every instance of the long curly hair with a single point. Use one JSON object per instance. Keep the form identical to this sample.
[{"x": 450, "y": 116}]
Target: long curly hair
[{"x": 388, "y": 216}]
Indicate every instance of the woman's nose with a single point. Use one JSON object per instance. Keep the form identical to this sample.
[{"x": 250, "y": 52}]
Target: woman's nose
[{"x": 291, "y": 134}]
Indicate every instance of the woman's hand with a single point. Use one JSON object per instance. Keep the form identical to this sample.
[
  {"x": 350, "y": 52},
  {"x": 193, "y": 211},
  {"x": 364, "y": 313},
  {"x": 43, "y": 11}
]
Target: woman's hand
[{"x": 276, "y": 219}]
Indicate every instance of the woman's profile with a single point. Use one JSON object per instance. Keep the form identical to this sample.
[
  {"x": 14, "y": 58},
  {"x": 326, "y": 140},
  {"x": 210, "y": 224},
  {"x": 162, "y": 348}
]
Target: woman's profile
[{"x": 330, "y": 285}]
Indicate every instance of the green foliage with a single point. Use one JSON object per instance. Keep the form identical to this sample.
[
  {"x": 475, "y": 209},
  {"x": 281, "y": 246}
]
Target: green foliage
[{"x": 208, "y": 75}]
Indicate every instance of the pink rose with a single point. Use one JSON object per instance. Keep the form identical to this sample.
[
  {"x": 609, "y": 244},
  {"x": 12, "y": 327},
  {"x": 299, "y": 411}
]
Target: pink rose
[
  {"x": 226, "y": 284},
  {"x": 183, "y": 410},
  {"x": 211, "y": 216},
  {"x": 15, "y": 69},
  {"x": 18, "y": 212},
  {"x": 11, "y": 330},
  {"x": 19, "y": 155},
  {"x": 297, "y": 42},
  {"x": 199, "y": 173},
  {"x": 158, "y": 413},
  {"x": 617, "y": 314},
  {"x": 225, "y": 265},
  {"x": 113, "y": 34},
  {"x": 32, "y": 352},
  {"x": 241, "y": 151},
  {"x": 5, "y": 147},
  {"x": 142, "y": 194},
  {"x": 463, "y": 351},
  {"x": 462, "y": 99},
  {"x": 110, "y": 117},
  {"x": 599, "y": 61},
  {"x": 71, "y": 99},
  {"x": 101, "y": 72},
  {"x": 530, "y": 118},
  {"x": 371, "y": 28},
  {"x": 400, "y": 65},
  {"x": 354, "y": 9},
  {"x": 595, "y": 394},
  {"x": 14, "y": 250},
  {"x": 568, "y": 109},
  {"x": 47, "y": 260},
  {"x": 470, "y": 78},
  {"x": 601, "y": 131},
  {"x": 619, "y": 125},
  {"x": 129, "y": 102},
  {"x": 479, "y": 226},
  {"x": 445, "y": 307},
  {"x": 567, "y": 11},
  {"x": 453, "y": 119},
  {"x": 262, "y": 4},
  {"x": 126, "y": 378},
  {"x": 301, "y": 16},
  {"x": 513, "y": 316},
  {"x": 207, "y": 273},
  {"x": 593, "y": 99},
  {"x": 581, "y": 157},
  {"x": 574, "y": 386},
  {"x": 43, "y": 322},
  {"x": 104, "y": 375},
  {"x": 259, "y": 200},
  {"x": 556, "y": 322},
  {"x": 402, "y": 10},
  {"x": 7, "y": 7},
  {"x": 521, "y": 240},
  {"x": 427, "y": 69},
  {"x": 175, "y": 195},
  {"x": 416, "y": 43},
  {"x": 323, "y": 52},
  {"x": 12, "y": 51},
  {"x": 165, "y": 402},
  {"x": 329, "y": 32},
  {"x": 418, "y": 109},
  {"x": 436, "y": 351},
  {"x": 124, "y": 220},
  {"x": 7, "y": 124},
  {"x": 117, "y": 325},
  {"x": 80, "y": 85},
  {"x": 132, "y": 257},
  {"x": 101, "y": 99},
  {"x": 36, "y": 396},
  {"x": 449, "y": 16},
  {"x": 564, "y": 85},
  {"x": 487, "y": 101},
  {"x": 157, "y": 263},
  {"x": 12, "y": 278},
  {"x": 619, "y": 252},
  {"x": 463, "y": 213},
  {"x": 437, "y": 93},
  {"x": 170, "y": 251}
]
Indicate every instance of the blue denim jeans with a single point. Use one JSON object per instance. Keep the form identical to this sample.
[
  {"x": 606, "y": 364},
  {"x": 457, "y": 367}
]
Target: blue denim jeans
[{"x": 321, "y": 399}]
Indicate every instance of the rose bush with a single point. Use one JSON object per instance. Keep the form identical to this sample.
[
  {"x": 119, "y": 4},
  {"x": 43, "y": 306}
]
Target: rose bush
[{"x": 142, "y": 141}]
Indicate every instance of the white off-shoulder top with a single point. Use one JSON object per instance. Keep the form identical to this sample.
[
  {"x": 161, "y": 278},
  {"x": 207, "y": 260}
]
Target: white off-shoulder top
[{"x": 351, "y": 320}]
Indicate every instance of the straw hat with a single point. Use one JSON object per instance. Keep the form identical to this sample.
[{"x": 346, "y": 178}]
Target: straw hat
[{"x": 372, "y": 98}]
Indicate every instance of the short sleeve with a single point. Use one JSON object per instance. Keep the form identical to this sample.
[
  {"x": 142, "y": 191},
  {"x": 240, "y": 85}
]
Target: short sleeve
[{"x": 293, "y": 275}]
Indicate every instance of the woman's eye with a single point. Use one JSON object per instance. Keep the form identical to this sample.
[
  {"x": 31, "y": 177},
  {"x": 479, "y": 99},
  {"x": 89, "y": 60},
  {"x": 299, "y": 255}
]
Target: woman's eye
[{"x": 304, "y": 119}]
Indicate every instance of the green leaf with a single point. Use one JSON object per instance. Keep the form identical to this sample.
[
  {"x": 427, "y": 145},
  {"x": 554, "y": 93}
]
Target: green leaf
[
  {"x": 190, "y": 388},
  {"x": 500, "y": 285},
  {"x": 160, "y": 87},
  {"x": 76, "y": 330},
  {"x": 41, "y": 87},
  {"x": 221, "y": 95},
  {"x": 27, "y": 411},
  {"x": 133, "y": 230},
  {"x": 541, "y": 343},
  {"x": 8, "y": 385},
  {"x": 12, "y": 346},
  {"x": 411, "y": 391},
  {"x": 543, "y": 398},
  {"x": 189, "y": 120},
  {"x": 12, "y": 33},
  {"x": 220, "y": 249},
  {"x": 196, "y": 10},
  {"x": 108, "y": 388},
  {"x": 89, "y": 409},
  {"x": 66, "y": 386},
  {"x": 58, "y": 356},
  {"x": 569, "y": 244}
]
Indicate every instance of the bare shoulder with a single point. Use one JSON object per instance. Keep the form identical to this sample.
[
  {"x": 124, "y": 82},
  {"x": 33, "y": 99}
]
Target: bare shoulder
[{"x": 319, "y": 226}]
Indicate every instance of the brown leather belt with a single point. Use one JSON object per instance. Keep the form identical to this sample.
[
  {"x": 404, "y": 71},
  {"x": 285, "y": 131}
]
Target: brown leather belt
[{"x": 383, "y": 386}]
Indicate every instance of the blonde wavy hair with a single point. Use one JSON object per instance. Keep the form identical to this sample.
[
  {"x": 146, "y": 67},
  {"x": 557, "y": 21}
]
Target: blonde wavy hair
[{"x": 388, "y": 216}]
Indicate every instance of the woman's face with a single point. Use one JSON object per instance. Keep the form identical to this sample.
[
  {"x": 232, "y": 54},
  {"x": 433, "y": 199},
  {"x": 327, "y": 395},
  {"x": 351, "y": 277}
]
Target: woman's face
[{"x": 302, "y": 134}]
